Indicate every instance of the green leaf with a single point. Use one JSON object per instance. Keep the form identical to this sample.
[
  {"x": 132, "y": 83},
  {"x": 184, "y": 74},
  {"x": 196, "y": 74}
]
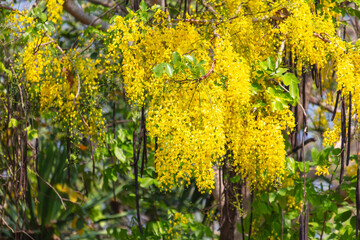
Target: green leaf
[
  {"x": 280, "y": 71},
  {"x": 291, "y": 164},
  {"x": 13, "y": 123},
  {"x": 289, "y": 78},
  {"x": 259, "y": 104},
  {"x": 143, "y": 6},
  {"x": 144, "y": 16},
  {"x": 271, "y": 63},
  {"x": 235, "y": 179},
  {"x": 176, "y": 59},
  {"x": 119, "y": 154},
  {"x": 37, "y": 12},
  {"x": 158, "y": 70},
  {"x": 43, "y": 17},
  {"x": 343, "y": 216},
  {"x": 110, "y": 173},
  {"x": 271, "y": 91},
  {"x": 190, "y": 58},
  {"x": 278, "y": 106},
  {"x": 32, "y": 134},
  {"x": 263, "y": 65},
  {"x": 255, "y": 87},
  {"x": 315, "y": 154},
  {"x": 121, "y": 134},
  {"x": 282, "y": 192},
  {"x": 202, "y": 62},
  {"x": 146, "y": 182},
  {"x": 272, "y": 197},
  {"x": 154, "y": 228},
  {"x": 202, "y": 71},
  {"x": 49, "y": 26},
  {"x": 294, "y": 91},
  {"x": 112, "y": 19},
  {"x": 161, "y": 227},
  {"x": 169, "y": 69},
  {"x": 301, "y": 166}
]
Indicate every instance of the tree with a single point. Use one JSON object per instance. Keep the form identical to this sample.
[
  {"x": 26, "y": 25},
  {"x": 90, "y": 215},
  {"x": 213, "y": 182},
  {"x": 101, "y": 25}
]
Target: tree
[{"x": 205, "y": 102}]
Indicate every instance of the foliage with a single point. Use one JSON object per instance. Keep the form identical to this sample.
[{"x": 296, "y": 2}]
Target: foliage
[{"x": 170, "y": 125}]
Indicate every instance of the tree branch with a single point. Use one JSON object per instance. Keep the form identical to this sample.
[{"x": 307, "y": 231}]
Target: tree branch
[
  {"x": 108, "y": 3},
  {"x": 77, "y": 12},
  {"x": 317, "y": 101},
  {"x": 295, "y": 149}
]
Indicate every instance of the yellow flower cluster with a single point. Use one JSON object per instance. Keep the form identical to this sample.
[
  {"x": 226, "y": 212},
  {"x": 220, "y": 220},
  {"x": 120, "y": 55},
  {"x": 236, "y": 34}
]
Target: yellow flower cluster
[
  {"x": 258, "y": 147},
  {"x": 185, "y": 118},
  {"x": 351, "y": 170},
  {"x": 195, "y": 121},
  {"x": 52, "y": 79},
  {"x": 175, "y": 229},
  {"x": 298, "y": 30},
  {"x": 331, "y": 137},
  {"x": 322, "y": 170},
  {"x": 55, "y": 9},
  {"x": 292, "y": 203},
  {"x": 17, "y": 23},
  {"x": 275, "y": 236}
]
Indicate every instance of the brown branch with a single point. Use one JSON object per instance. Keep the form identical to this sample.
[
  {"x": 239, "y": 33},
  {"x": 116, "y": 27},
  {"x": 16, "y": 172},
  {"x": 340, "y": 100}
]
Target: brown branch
[
  {"x": 321, "y": 37},
  {"x": 11, "y": 9},
  {"x": 3, "y": 220},
  {"x": 208, "y": 73},
  {"x": 317, "y": 101},
  {"x": 77, "y": 12},
  {"x": 208, "y": 7},
  {"x": 295, "y": 149},
  {"x": 102, "y": 3},
  {"x": 116, "y": 122},
  {"x": 267, "y": 18},
  {"x": 61, "y": 199}
]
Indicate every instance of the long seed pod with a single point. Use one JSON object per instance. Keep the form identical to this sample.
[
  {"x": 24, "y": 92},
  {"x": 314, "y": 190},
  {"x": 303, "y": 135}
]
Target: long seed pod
[
  {"x": 251, "y": 213},
  {"x": 315, "y": 75},
  {"x": 114, "y": 137},
  {"x": 357, "y": 200},
  {"x": 156, "y": 144},
  {"x": 143, "y": 130},
  {"x": 357, "y": 188},
  {"x": 68, "y": 154},
  {"x": 343, "y": 138},
  {"x": 301, "y": 221},
  {"x": 336, "y": 104},
  {"x": 306, "y": 222},
  {"x": 136, "y": 158},
  {"x": 92, "y": 158},
  {"x": 349, "y": 133}
]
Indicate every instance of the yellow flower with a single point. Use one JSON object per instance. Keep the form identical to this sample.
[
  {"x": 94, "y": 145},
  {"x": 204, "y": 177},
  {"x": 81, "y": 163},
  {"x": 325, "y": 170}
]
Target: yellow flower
[{"x": 322, "y": 170}]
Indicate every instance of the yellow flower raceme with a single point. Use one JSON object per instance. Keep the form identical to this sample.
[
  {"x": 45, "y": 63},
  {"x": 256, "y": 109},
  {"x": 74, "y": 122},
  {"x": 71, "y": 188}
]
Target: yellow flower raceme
[
  {"x": 194, "y": 121},
  {"x": 55, "y": 9},
  {"x": 322, "y": 170}
]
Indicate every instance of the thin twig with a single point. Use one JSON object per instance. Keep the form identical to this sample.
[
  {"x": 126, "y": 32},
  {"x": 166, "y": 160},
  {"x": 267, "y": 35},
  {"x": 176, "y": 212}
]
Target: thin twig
[
  {"x": 208, "y": 7},
  {"x": 61, "y": 199},
  {"x": 11, "y": 9},
  {"x": 295, "y": 149},
  {"x": 3, "y": 220}
]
